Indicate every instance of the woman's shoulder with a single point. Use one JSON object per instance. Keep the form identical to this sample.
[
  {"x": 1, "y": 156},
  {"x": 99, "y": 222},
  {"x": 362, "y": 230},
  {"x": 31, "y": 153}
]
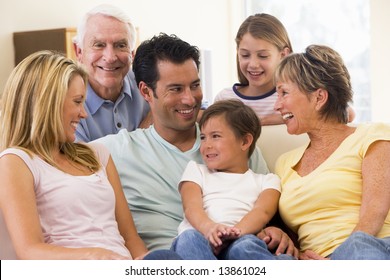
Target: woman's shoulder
[
  {"x": 22, "y": 153},
  {"x": 373, "y": 130},
  {"x": 101, "y": 151},
  {"x": 13, "y": 158},
  {"x": 374, "y": 126}
]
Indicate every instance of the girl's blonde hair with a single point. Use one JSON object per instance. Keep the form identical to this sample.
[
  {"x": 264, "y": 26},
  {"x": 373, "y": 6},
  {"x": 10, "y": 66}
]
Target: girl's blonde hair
[
  {"x": 32, "y": 108},
  {"x": 266, "y": 27}
]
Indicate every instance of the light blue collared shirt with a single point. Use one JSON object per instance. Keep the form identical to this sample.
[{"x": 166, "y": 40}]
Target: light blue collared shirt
[{"x": 107, "y": 117}]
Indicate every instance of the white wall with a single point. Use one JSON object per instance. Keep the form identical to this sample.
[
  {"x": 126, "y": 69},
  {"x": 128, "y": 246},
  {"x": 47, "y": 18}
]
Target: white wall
[
  {"x": 204, "y": 23},
  {"x": 380, "y": 60},
  {"x": 209, "y": 24}
]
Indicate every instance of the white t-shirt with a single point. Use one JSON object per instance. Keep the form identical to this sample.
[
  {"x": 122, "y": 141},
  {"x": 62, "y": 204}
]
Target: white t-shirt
[{"x": 227, "y": 197}]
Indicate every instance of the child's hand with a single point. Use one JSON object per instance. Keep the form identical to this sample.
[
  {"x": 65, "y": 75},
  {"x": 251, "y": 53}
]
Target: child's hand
[
  {"x": 220, "y": 236},
  {"x": 233, "y": 233},
  {"x": 216, "y": 233}
]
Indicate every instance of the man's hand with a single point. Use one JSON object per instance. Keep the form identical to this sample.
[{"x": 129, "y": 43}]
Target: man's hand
[{"x": 278, "y": 241}]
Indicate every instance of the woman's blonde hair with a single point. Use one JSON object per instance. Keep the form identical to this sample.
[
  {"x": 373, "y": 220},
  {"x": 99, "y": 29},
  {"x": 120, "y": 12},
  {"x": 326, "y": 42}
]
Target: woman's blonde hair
[{"x": 32, "y": 108}]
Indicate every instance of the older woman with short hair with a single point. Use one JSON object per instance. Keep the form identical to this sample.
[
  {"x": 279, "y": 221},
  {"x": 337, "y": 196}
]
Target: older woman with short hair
[{"x": 335, "y": 191}]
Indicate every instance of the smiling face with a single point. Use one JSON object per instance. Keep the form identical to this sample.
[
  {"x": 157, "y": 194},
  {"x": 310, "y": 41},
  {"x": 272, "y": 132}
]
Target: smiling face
[
  {"x": 73, "y": 108},
  {"x": 106, "y": 53},
  {"x": 221, "y": 149},
  {"x": 177, "y": 98},
  {"x": 297, "y": 108},
  {"x": 258, "y": 60}
]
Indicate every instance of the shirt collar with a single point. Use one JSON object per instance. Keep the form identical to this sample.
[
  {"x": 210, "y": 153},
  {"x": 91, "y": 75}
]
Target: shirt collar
[{"x": 94, "y": 102}]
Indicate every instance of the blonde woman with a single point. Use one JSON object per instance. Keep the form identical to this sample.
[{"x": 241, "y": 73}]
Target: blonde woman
[{"x": 60, "y": 199}]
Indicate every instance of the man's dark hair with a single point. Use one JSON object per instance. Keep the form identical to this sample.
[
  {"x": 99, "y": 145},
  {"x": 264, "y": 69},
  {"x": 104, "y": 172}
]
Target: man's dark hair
[{"x": 161, "y": 47}]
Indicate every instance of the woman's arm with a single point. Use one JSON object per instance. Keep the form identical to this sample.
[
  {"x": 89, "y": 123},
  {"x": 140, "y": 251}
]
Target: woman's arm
[
  {"x": 17, "y": 201},
  {"x": 272, "y": 119},
  {"x": 123, "y": 215},
  {"x": 263, "y": 210},
  {"x": 376, "y": 188},
  {"x": 18, "y": 204}
]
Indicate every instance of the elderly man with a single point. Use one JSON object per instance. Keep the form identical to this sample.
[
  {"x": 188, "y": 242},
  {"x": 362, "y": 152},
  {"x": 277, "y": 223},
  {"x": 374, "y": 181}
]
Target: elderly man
[{"x": 105, "y": 45}]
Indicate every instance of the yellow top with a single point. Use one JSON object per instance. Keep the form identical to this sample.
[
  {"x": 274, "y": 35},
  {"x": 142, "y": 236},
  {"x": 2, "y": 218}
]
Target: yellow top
[{"x": 323, "y": 206}]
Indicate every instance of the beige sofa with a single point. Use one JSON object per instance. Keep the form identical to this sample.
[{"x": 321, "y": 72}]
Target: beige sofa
[{"x": 273, "y": 141}]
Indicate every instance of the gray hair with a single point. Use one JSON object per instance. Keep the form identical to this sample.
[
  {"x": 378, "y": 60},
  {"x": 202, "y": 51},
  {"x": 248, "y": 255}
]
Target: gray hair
[{"x": 106, "y": 10}]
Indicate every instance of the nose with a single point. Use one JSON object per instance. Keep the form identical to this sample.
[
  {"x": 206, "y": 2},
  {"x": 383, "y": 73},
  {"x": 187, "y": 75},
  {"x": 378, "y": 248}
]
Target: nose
[
  {"x": 205, "y": 144},
  {"x": 109, "y": 54},
  {"x": 188, "y": 97},
  {"x": 83, "y": 114},
  {"x": 254, "y": 62},
  {"x": 278, "y": 103}
]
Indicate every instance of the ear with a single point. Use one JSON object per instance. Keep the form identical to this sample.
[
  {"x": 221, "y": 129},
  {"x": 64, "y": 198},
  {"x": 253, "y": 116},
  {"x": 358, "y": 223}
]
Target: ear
[
  {"x": 321, "y": 97},
  {"x": 247, "y": 141},
  {"x": 145, "y": 91},
  {"x": 78, "y": 52},
  {"x": 285, "y": 52}
]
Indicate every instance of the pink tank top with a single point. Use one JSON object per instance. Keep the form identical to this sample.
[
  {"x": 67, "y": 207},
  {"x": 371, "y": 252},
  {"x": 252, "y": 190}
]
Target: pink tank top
[{"x": 75, "y": 211}]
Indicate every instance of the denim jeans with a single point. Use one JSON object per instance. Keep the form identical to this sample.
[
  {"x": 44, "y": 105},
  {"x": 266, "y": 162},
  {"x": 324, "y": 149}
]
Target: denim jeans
[
  {"x": 192, "y": 245},
  {"x": 362, "y": 246},
  {"x": 162, "y": 255}
]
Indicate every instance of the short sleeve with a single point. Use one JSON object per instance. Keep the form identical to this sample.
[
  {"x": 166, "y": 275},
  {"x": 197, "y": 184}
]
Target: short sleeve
[
  {"x": 192, "y": 173},
  {"x": 375, "y": 132},
  {"x": 101, "y": 151},
  {"x": 271, "y": 181},
  {"x": 28, "y": 160}
]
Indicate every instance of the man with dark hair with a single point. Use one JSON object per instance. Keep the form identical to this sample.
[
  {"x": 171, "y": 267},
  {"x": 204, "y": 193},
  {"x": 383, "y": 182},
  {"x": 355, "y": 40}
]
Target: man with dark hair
[{"x": 151, "y": 161}]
